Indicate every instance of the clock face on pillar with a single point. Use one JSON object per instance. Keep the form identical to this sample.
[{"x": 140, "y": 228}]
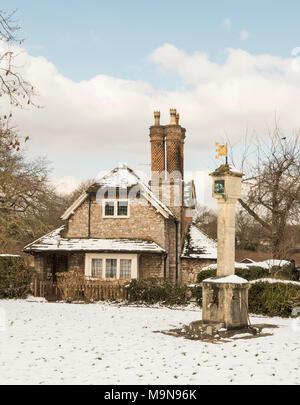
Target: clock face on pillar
[{"x": 219, "y": 187}]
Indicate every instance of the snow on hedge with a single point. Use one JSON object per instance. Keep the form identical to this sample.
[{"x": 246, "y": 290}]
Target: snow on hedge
[
  {"x": 267, "y": 264},
  {"x": 274, "y": 280},
  {"x": 235, "y": 279}
]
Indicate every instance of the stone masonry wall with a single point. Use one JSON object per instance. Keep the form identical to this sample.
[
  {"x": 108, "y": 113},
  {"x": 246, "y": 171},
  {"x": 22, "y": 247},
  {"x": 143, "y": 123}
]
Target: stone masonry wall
[
  {"x": 76, "y": 262},
  {"x": 151, "y": 265},
  {"x": 78, "y": 223},
  {"x": 191, "y": 267},
  {"x": 144, "y": 222}
]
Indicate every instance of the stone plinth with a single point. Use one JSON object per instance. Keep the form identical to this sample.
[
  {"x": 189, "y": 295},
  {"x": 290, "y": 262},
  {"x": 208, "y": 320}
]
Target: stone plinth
[{"x": 225, "y": 302}]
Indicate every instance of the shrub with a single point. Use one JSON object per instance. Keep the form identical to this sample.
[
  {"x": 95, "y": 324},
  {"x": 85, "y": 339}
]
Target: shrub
[
  {"x": 15, "y": 277},
  {"x": 206, "y": 274},
  {"x": 252, "y": 273},
  {"x": 284, "y": 273},
  {"x": 196, "y": 292},
  {"x": 70, "y": 284},
  {"x": 273, "y": 299},
  {"x": 153, "y": 290}
]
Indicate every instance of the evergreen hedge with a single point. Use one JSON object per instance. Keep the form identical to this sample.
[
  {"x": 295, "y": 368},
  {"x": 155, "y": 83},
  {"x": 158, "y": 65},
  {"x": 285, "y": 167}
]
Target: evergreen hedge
[
  {"x": 252, "y": 273},
  {"x": 15, "y": 277},
  {"x": 157, "y": 290},
  {"x": 273, "y": 299}
]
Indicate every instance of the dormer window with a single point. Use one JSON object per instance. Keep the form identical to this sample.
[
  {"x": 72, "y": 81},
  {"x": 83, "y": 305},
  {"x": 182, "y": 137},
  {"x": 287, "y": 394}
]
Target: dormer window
[{"x": 115, "y": 209}]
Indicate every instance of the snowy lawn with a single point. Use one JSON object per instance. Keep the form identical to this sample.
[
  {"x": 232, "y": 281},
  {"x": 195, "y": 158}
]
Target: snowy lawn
[{"x": 57, "y": 343}]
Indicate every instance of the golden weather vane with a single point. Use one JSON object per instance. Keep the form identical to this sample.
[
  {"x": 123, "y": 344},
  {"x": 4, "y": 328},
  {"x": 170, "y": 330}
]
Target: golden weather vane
[{"x": 221, "y": 150}]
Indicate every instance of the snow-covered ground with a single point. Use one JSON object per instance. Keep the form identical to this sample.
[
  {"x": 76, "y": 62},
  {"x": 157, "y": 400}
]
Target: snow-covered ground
[{"x": 57, "y": 343}]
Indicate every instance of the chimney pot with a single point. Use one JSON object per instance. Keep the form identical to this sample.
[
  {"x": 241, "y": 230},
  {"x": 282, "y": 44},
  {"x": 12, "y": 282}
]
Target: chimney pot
[
  {"x": 177, "y": 119},
  {"x": 157, "y": 118},
  {"x": 172, "y": 116}
]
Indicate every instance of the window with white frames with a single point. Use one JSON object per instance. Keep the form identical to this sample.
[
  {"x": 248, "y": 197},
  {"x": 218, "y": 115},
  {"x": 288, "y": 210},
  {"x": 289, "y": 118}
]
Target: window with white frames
[
  {"x": 122, "y": 208},
  {"x": 125, "y": 268},
  {"x": 109, "y": 210},
  {"x": 105, "y": 265},
  {"x": 111, "y": 268},
  {"x": 96, "y": 270},
  {"x": 115, "y": 209}
]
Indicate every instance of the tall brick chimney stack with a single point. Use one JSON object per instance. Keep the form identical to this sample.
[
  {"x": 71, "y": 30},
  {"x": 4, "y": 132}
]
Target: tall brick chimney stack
[
  {"x": 157, "y": 139},
  {"x": 167, "y": 144},
  {"x": 175, "y": 136}
]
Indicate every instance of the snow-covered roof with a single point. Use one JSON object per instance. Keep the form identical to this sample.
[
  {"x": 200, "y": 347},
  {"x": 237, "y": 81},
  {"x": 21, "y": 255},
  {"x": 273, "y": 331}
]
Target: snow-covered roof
[
  {"x": 54, "y": 242},
  {"x": 233, "y": 169},
  {"x": 197, "y": 245},
  {"x": 227, "y": 169},
  {"x": 247, "y": 260},
  {"x": 7, "y": 255},
  {"x": 122, "y": 177}
]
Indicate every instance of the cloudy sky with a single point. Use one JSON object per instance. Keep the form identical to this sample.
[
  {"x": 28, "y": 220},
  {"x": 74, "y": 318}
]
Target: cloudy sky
[{"x": 101, "y": 68}]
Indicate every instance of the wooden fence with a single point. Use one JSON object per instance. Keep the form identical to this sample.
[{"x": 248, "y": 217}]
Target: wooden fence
[
  {"x": 46, "y": 289},
  {"x": 103, "y": 291},
  {"x": 90, "y": 290}
]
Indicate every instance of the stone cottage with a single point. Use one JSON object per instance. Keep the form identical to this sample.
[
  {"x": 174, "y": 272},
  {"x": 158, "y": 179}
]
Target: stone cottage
[{"x": 124, "y": 227}]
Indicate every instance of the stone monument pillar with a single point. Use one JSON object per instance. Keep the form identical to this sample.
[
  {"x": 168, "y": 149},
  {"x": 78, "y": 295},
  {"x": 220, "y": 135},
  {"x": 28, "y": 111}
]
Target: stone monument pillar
[{"x": 225, "y": 298}]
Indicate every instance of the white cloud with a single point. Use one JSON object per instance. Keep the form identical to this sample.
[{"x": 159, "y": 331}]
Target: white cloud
[
  {"x": 227, "y": 22},
  {"x": 66, "y": 184},
  {"x": 107, "y": 118},
  {"x": 244, "y": 34}
]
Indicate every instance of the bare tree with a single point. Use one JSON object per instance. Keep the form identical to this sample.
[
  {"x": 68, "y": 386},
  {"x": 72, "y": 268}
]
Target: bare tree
[
  {"x": 12, "y": 84},
  {"x": 29, "y": 206},
  {"x": 73, "y": 195},
  {"x": 272, "y": 187},
  {"x": 206, "y": 219}
]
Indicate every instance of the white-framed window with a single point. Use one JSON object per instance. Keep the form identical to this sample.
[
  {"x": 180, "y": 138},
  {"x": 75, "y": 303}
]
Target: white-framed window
[
  {"x": 111, "y": 266},
  {"x": 96, "y": 268},
  {"x": 125, "y": 268},
  {"x": 115, "y": 208}
]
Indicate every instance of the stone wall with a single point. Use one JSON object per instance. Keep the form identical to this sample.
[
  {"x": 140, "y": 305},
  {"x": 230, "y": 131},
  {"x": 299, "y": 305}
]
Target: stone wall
[
  {"x": 151, "y": 265},
  {"x": 191, "y": 267},
  {"x": 76, "y": 261},
  {"x": 144, "y": 222}
]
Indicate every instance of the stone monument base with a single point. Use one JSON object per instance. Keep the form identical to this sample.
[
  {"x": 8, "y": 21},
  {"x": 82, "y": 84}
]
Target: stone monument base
[{"x": 225, "y": 301}]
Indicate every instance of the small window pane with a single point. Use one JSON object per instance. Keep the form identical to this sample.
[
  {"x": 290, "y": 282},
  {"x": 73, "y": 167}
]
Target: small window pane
[
  {"x": 109, "y": 208},
  {"x": 122, "y": 208},
  {"x": 97, "y": 268},
  {"x": 111, "y": 268},
  {"x": 125, "y": 268}
]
